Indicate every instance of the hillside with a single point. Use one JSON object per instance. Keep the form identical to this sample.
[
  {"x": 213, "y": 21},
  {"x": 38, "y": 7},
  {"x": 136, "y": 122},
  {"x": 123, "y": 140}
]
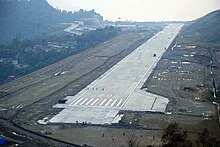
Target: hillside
[
  {"x": 206, "y": 29},
  {"x": 28, "y": 18}
]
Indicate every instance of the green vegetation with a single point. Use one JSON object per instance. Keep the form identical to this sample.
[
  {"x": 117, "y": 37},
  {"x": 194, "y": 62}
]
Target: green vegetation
[
  {"x": 208, "y": 95},
  {"x": 206, "y": 140},
  {"x": 29, "y": 18},
  {"x": 174, "y": 136},
  {"x": 133, "y": 141},
  {"x": 205, "y": 29},
  {"x": 24, "y": 56}
]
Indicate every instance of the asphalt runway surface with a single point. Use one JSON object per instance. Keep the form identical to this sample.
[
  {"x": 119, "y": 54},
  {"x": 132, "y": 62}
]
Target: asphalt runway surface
[{"x": 120, "y": 87}]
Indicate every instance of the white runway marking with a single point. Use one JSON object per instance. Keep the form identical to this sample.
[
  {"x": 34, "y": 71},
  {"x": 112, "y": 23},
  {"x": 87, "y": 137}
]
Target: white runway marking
[
  {"x": 94, "y": 102},
  {"x": 114, "y": 102},
  {"x": 102, "y": 102},
  {"x": 78, "y": 101},
  {"x": 119, "y": 103},
  {"x": 89, "y": 101},
  {"x": 108, "y": 102},
  {"x": 84, "y": 101},
  {"x": 122, "y": 85}
]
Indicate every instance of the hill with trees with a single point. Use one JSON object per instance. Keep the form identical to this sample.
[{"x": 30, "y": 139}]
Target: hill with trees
[
  {"x": 30, "y": 18},
  {"x": 21, "y": 57},
  {"x": 206, "y": 28}
]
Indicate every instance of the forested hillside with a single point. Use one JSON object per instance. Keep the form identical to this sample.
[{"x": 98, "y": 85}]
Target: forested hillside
[
  {"x": 206, "y": 29},
  {"x": 28, "y": 18},
  {"x": 21, "y": 57}
]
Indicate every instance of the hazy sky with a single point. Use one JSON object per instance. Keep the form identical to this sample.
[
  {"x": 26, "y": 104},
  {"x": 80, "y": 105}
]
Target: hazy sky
[{"x": 142, "y": 10}]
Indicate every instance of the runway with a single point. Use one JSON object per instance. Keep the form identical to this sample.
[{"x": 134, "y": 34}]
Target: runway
[{"x": 120, "y": 87}]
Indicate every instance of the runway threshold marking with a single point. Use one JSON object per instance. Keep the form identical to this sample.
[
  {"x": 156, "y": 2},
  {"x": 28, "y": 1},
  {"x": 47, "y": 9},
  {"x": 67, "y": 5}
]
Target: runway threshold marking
[
  {"x": 94, "y": 102},
  {"x": 119, "y": 103},
  {"x": 84, "y": 101},
  {"x": 89, "y": 101},
  {"x": 114, "y": 102},
  {"x": 78, "y": 101},
  {"x": 102, "y": 102},
  {"x": 108, "y": 102},
  {"x": 111, "y": 70}
]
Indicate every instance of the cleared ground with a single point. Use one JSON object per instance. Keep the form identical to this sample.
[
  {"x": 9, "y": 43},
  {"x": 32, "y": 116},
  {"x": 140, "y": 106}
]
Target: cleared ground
[
  {"x": 120, "y": 87},
  {"x": 182, "y": 75}
]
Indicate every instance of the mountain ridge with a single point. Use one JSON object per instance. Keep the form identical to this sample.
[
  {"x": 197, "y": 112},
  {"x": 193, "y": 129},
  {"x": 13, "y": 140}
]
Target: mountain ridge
[
  {"x": 206, "y": 28},
  {"x": 29, "y": 18}
]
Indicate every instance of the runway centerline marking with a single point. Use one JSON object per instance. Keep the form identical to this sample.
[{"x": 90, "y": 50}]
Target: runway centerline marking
[
  {"x": 121, "y": 85},
  {"x": 112, "y": 69}
]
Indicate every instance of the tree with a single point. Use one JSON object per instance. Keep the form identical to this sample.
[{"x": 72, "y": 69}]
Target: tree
[
  {"x": 206, "y": 140},
  {"x": 213, "y": 142},
  {"x": 174, "y": 136},
  {"x": 203, "y": 137},
  {"x": 133, "y": 141}
]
